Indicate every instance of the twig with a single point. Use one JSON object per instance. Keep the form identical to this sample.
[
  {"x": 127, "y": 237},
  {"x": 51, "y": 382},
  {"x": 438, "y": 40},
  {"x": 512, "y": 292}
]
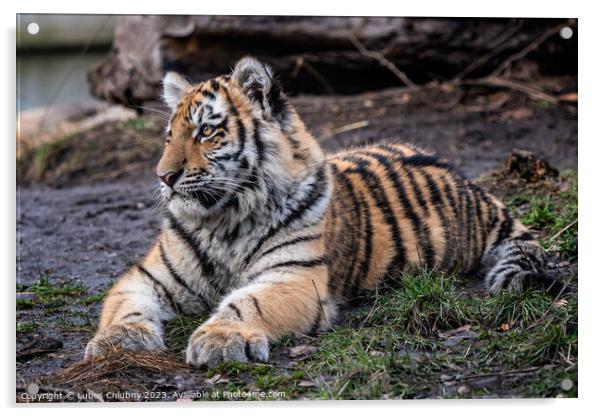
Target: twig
[
  {"x": 561, "y": 231},
  {"x": 371, "y": 309},
  {"x": 527, "y": 49},
  {"x": 382, "y": 60},
  {"x": 301, "y": 63},
  {"x": 320, "y": 303},
  {"x": 496, "y": 373},
  {"x": 533, "y": 92},
  {"x": 352, "y": 126},
  {"x": 498, "y": 47}
]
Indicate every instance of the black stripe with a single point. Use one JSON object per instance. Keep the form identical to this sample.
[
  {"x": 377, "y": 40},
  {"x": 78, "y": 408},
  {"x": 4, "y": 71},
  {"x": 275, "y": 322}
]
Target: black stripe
[
  {"x": 508, "y": 277},
  {"x": 354, "y": 236},
  {"x": 242, "y": 137},
  {"x": 291, "y": 242},
  {"x": 469, "y": 240},
  {"x": 453, "y": 203},
  {"x": 312, "y": 198},
  {"x": 207, "y": 266},
  {"x": 176, "y": 276},
  {"x": 259, "y": 145},
  {"x": 417, "y": 224},
  {"x": 131, "y": 314},
  {"x": 437, "y": 203},
  {"x": 375, "y": 188},
  {"x": 525, "y": 236},
  {"x": 365, "y": 268},
  {"x": 248, "y": 351},
  {"x": 236, "y": 310},
  {"x": 506, "y": 227},
  {"x": 208, "y": 94},
  {"x": 417, "y": 190},
  {"x": 242, "y": 132},
  {"x": 425, "y": 160},
  {"x": 320, "y": 261},
  {"x": 317, "y": 320},
  {"x": 257, "y": 307},
  {"x": 232, "y": 235},
  {"x": 156, "y": 283},
  {"x": 480, "y": 222}
]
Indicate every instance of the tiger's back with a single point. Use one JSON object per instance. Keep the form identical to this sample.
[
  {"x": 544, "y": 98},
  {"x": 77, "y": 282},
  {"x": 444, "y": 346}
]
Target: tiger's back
[{"x": 396, "y": 209}]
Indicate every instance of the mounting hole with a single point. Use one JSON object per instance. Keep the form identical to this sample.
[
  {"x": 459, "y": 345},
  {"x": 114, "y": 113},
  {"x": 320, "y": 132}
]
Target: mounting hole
[
  {"x": 566, "y": 32},
  {"x": 33, "y": 28}
]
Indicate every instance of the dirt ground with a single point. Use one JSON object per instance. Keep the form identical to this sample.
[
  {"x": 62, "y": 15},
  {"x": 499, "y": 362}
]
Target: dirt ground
[{"x": 86, "y": 207}]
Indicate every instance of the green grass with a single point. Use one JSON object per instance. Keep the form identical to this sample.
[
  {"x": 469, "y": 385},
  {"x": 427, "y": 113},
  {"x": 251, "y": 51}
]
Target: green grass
[
  {"x": 395, "y": 348},
  {"x": 37, "y": 162},
  {"x": 67, "y": 302},
  {"x": 423, "y": 304},
  {"x": 553, "y": 214},
  {"x": 51, "y": 295},
  {"x": 25, "y": 327},
  {"x": 178, "y": 331},
  {"x": 138, "y": 125}
]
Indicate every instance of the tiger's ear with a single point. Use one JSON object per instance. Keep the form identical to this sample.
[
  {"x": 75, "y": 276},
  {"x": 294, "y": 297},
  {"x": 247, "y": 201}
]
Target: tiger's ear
[
  {"x": 174, "y": 88},
  {"x": 257, "y": 82}
]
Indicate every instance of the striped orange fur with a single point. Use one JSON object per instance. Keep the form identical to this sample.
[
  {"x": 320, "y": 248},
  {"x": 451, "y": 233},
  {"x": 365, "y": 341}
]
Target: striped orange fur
[{"x": 271, "y": 236}]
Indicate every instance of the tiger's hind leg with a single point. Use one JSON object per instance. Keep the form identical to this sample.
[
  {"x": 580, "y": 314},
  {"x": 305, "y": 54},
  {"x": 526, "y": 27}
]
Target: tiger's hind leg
[{"x": 518, "y": 265}]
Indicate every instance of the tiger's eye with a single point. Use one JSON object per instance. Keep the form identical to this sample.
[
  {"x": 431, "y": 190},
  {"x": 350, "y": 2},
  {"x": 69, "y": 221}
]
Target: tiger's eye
[{"x": 207, "y": 130}]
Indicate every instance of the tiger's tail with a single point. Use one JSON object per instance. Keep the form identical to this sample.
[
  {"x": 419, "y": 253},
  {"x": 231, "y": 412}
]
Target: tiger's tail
[{"x": 518, "y": 264}]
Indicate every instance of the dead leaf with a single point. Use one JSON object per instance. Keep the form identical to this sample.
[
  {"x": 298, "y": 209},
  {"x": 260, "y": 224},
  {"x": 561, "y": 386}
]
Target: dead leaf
[
  {"x": 218, "y": 379},
  {"x": 300, "y": 350},
  {"x": 453, "y": 337},
  {"x": 518, "y": 114},
  {"x": 561, "y": 302},
  {"x": 498, "y": 99},
  {"x": 454, "y": 332},
  {"x": 570, "y": 97},
  {"x": 504, "y": 327},
  {"x": 306, "y": 383}
]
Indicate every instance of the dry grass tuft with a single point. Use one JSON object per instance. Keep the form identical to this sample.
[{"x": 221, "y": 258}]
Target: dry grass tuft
[{"x": 119, "y": 365}]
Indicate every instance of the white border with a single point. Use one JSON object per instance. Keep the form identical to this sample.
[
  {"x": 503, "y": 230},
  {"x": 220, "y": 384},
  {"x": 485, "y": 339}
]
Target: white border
[{"x": 590, "y": 96}]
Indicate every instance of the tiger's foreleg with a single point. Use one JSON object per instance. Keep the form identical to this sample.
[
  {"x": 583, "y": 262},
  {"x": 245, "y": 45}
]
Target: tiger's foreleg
[
  {"x": 274, "y": 304},
  {"x": 135, "y": 309}
]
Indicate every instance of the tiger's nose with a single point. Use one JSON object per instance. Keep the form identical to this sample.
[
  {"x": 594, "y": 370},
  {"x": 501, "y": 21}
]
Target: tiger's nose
[{"x": 170, "y": 178}]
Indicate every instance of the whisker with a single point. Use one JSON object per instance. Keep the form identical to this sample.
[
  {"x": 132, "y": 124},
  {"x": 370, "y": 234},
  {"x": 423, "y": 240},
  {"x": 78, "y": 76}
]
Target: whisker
[{"x": 151, "y": 109}]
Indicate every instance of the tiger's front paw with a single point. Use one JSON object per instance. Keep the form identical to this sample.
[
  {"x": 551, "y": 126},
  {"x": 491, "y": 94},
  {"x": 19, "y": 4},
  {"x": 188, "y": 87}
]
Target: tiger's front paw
[
  {"x": 131, "y": 337},
  {"x": 220, "y": 341}
]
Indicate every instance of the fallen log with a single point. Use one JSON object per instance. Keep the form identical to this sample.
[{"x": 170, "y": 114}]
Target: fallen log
[{"x": 322, "y": 55}]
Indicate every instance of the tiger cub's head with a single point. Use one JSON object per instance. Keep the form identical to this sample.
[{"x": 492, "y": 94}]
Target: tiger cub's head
[{"x": 233, "y": 144}]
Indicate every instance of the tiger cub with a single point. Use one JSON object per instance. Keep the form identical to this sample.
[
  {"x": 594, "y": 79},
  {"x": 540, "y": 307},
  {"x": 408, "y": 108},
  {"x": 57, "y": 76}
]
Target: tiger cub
[{"x": 271, "y": 236}]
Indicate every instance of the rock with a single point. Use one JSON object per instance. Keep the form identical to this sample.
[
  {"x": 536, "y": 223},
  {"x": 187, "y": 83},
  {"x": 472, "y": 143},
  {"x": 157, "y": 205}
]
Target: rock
[
  {"x": 453, "y": 337},
  {"x": 24, "y": 296},
  {"x": 300, "y": 350}
]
